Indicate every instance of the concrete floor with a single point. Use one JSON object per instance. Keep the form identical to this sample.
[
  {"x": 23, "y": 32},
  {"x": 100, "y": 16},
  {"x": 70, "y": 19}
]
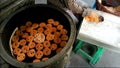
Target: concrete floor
[{"x": 108, "y": 59}]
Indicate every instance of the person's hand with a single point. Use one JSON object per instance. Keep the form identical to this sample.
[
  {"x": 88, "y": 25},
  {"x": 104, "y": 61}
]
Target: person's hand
[{"x": 91, "y": 16}]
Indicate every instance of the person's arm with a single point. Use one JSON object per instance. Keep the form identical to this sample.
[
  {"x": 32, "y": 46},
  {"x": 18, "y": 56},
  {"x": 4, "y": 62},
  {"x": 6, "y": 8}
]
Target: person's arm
[{"x": 70, "y": 4}]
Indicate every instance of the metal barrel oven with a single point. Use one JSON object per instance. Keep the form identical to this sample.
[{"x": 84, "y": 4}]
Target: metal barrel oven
[{"x": 37, "y": 13}]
